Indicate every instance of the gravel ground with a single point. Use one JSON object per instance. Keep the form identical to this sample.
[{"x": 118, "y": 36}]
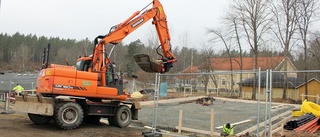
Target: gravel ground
[{"x": 198, "y": 116}]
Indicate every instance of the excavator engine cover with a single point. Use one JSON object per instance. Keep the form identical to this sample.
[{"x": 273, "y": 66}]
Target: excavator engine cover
[{"x": 144, "y": 62}]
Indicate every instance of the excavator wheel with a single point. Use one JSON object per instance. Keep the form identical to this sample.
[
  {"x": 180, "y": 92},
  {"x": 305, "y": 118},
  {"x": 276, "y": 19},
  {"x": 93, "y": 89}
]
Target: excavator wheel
[
  {"x": 122, "y": 117},
  {"x": 39, "y": 119},
  {"x": 68, "y": 115}
]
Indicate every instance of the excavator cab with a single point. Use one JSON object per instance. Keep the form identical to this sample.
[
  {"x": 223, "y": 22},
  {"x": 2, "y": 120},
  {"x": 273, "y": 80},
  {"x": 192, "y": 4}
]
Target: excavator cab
[{"x": 83, "y": 65}]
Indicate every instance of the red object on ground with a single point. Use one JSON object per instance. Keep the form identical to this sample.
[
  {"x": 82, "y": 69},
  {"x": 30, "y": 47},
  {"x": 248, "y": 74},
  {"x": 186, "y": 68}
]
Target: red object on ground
[
  {"x": 305, "y": 126},
  {"x": 13, "y": 97},
  {"x": 310, "y": 127},
  {"x": 315, "y": 129}
]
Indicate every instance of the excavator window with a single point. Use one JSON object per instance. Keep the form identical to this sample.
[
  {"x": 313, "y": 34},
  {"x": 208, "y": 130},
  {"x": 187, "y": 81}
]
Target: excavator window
[
  {"x": 83, "y": 65},
  {"x": 110, "y": 75}
]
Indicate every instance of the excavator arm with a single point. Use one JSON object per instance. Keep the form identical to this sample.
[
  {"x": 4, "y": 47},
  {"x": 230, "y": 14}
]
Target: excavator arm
[{"x": 119, "y": 32}]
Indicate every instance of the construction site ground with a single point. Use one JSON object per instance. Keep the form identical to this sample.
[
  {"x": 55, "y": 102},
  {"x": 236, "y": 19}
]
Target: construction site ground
[{"x": 194, "y": 116}]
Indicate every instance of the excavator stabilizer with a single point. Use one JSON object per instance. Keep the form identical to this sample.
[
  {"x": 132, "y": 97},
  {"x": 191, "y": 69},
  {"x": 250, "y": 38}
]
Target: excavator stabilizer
[
  {"x": 144, "y": 62},
  {"x": 34, "y": 105}
]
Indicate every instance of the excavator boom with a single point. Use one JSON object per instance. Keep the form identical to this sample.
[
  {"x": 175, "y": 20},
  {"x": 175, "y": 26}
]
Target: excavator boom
[{"x": 119, "y": 32}]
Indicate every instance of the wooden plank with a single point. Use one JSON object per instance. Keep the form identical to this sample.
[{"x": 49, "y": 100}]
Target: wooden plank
[
  {"x": 262, "y": 123},
  {"x": 180, "y": 121},
  {"x": 276, "y": 125},
  {"x": 237, "y": 123},
  {"x": 212, "y": 122},
  {"x": 276, "y": 130},
  {"x": 198, "y": 131}
]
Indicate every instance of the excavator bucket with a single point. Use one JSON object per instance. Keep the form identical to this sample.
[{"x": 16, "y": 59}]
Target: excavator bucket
[{"x": 144, "y": 62}]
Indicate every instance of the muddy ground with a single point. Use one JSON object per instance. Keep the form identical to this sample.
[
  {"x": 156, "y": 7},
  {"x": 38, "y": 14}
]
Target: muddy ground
[
  {"x": 18, "y": 125},
  {"x": 196, "y": 116}
]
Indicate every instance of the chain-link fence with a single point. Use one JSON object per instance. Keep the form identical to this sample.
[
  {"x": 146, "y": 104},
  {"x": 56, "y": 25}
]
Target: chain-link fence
[
  {"x": 197, "y": 116},
  {"x": 9, "y": 80},
  {"x": 282, "y": 86},
  {"x": 293, "y": 86}
]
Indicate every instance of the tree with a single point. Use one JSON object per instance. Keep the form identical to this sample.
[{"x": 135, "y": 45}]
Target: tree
[
  {"x": 21, "y": 57},
  {"x": 87, "y": 46},
  {"x": 207, "y": 53},
  {"x": 118, "y": 56},
  {"x": 314, "y": 49},
  {"x": 224, "y": 36},
  {"x": 234, "y": 23},
  {"x": 255, "y": 19},
  {"x": 306, "y": 11},
  {"x": 285, "y": 22},
  {"x": 133, "y": 48},
  {"x": 185, "y": 53}
]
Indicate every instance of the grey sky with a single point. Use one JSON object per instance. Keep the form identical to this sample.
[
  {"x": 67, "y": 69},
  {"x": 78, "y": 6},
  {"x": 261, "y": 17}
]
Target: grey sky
[{"x": 80, "y": 19}]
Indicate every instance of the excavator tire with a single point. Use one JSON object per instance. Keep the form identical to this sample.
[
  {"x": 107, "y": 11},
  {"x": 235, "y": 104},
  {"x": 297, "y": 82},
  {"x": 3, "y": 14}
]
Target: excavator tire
[
  {"x": 112, "y": 121},
  {"x": 68, "y": 115},
  {"x": 122, "y": 117},
  {"x": 39, "y": 119}
]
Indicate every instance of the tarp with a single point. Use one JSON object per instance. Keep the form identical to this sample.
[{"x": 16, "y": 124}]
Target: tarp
[
  {"x": 163, "y": 89},
  {"x": 136, "y": 94}
]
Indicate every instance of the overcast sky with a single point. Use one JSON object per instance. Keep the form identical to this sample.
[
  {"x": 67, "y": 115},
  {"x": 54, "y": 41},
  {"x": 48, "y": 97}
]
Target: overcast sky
[{"x": 80, "y": 19}]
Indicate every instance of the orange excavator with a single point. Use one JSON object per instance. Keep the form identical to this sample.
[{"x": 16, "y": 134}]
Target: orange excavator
[{"x": 92, "y": 90}]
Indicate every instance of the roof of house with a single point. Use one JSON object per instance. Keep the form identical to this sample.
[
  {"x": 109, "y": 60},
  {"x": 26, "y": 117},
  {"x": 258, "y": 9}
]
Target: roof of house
[
  {"x": 277, "y": 81},
  {"x": 190, "y": 69},
  {"x": 312, "y": 79},
  {"x": 263, "y": 62}
]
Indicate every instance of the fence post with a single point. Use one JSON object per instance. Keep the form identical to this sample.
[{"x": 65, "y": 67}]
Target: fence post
[
  {"x": 212, "y": 123},
  {"x": 302, "y": 97},
  {"x": 317, "y": 99},
  {"x": 217, "y": 92},
  {"x": 180, "y": 121},
  {"x": 7, "y": 101}
]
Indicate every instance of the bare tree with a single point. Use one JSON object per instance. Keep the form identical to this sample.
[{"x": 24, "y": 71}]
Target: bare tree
[
  {"x": 285, "y": 22},
  {"x": 152, "y": 43},
  {"x": 255, "y": 19},
  {"x": 233, "y": 21},
  {"x": 314, "y": 49},
  {"x": 307, "y": 9},
  {"x": 235, "y": 27},
  {"x": 224, "y": 36},
  {"x": 185, "y": 51},
  {"x": 208, "y": 53},
  {"x": 21, "y": 57}
]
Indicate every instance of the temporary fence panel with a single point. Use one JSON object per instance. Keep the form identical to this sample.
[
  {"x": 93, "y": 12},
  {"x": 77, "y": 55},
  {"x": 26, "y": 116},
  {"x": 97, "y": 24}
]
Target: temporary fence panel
[
  {"x": 27, "y": 82},
  {"x": 270, "y": 86},
  {"x": 201, "y": 84}
]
